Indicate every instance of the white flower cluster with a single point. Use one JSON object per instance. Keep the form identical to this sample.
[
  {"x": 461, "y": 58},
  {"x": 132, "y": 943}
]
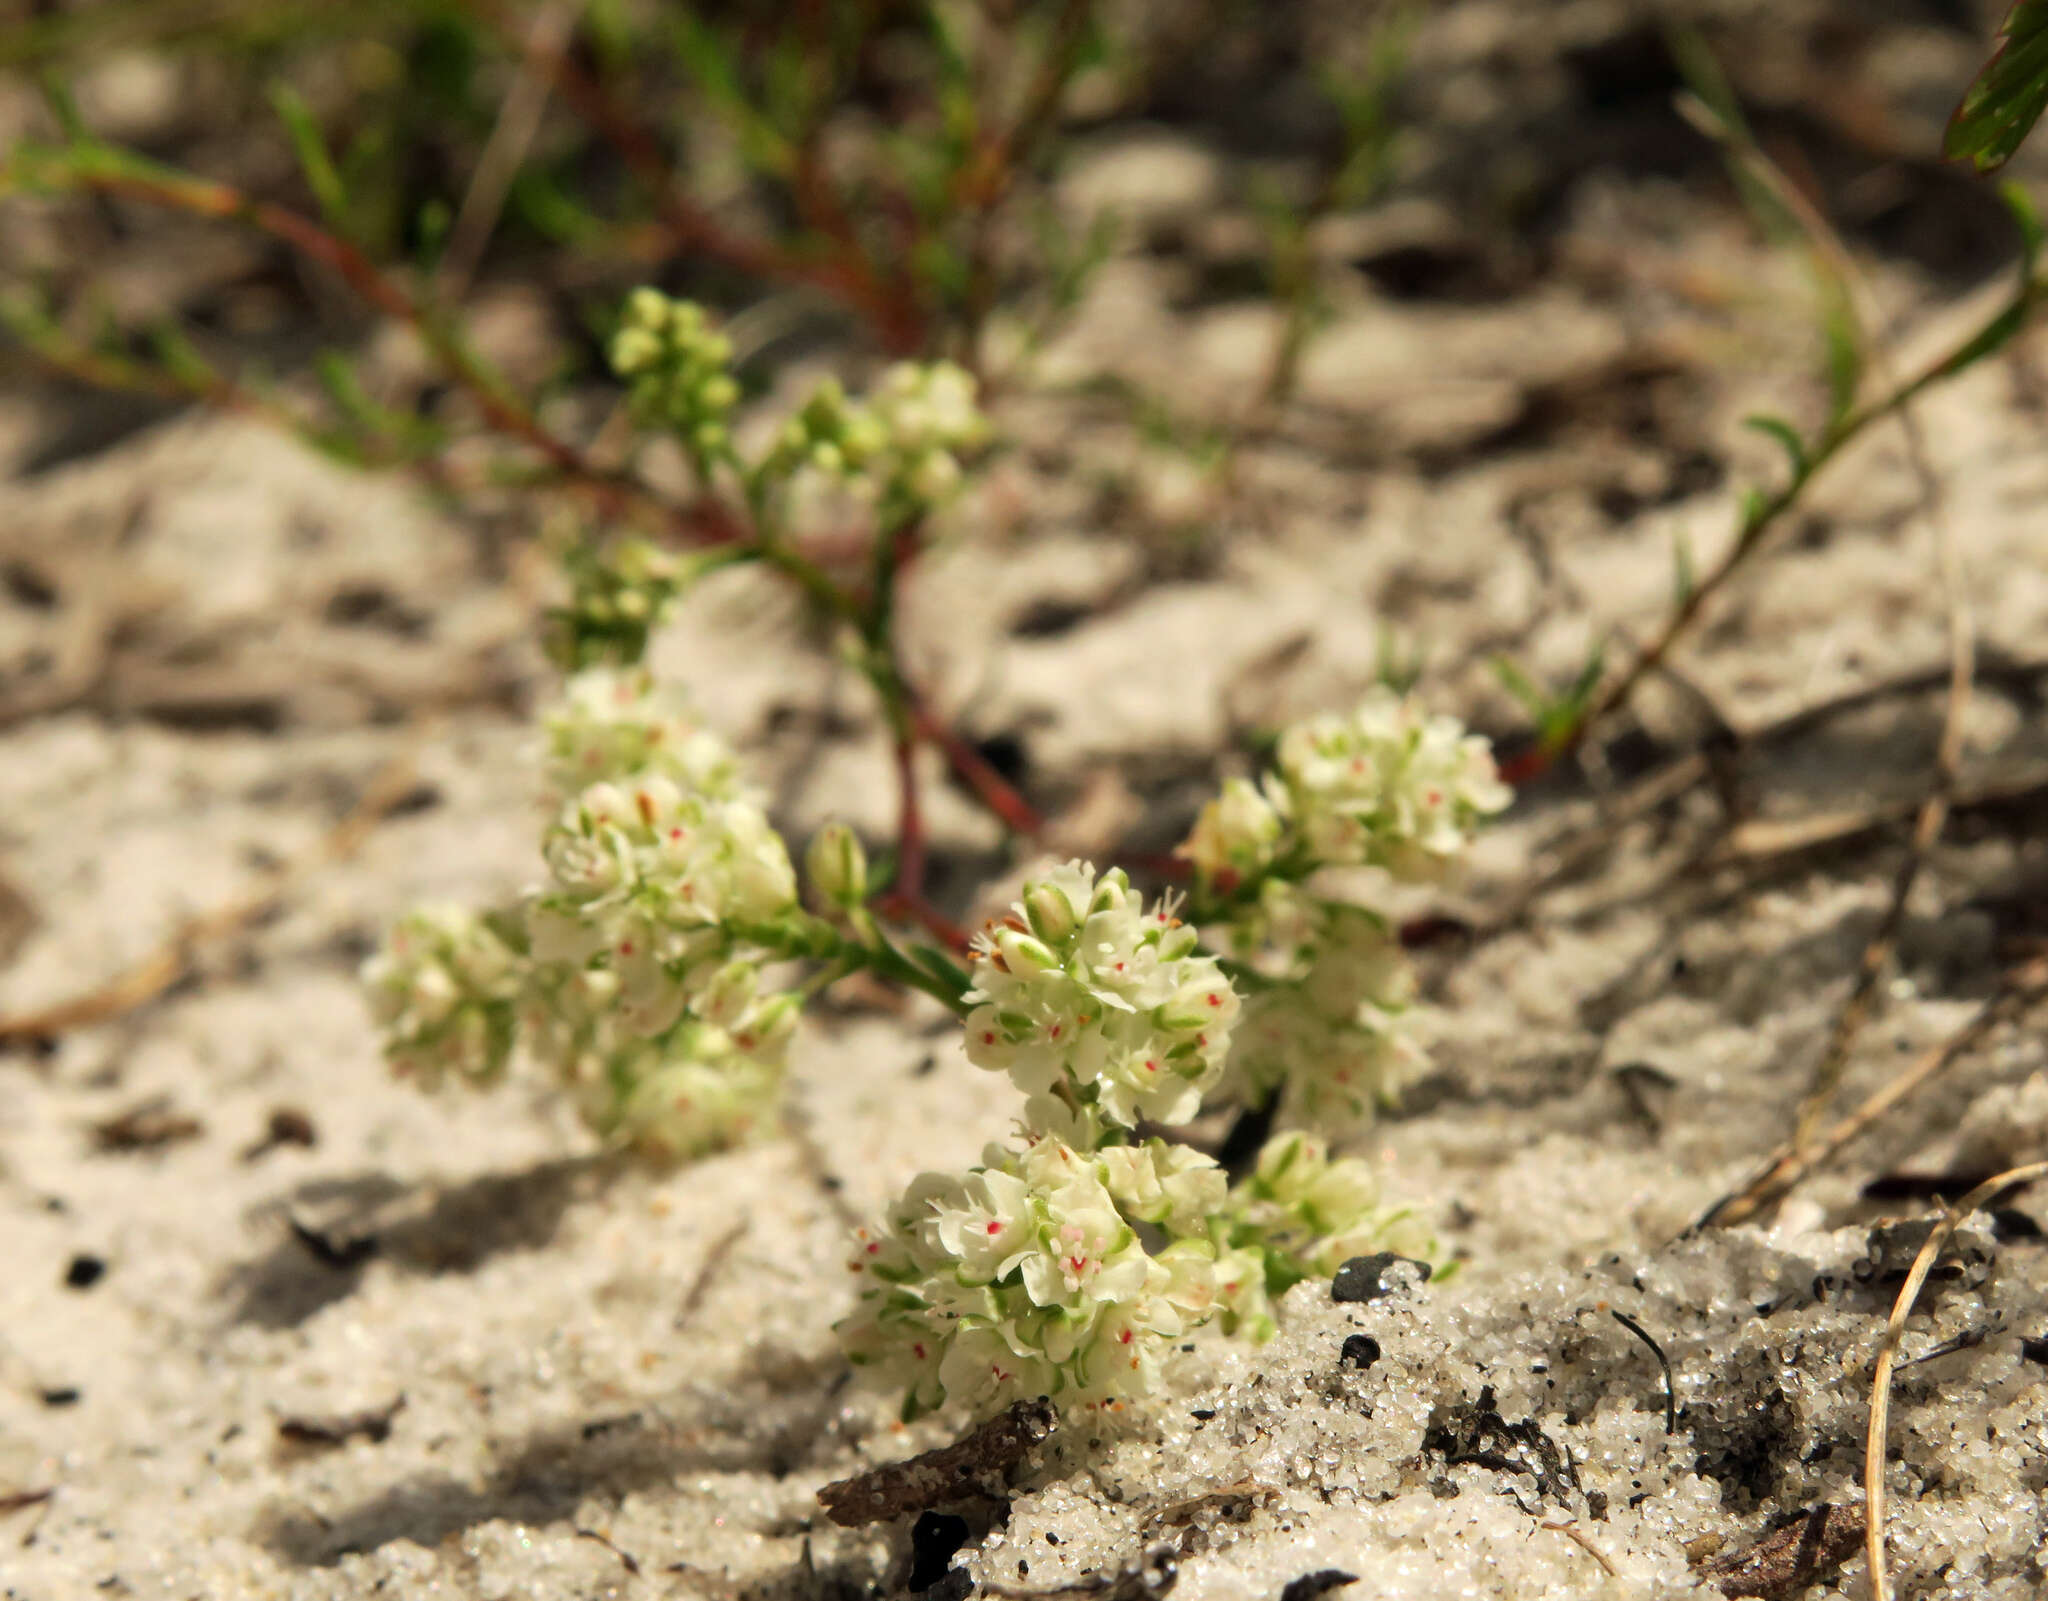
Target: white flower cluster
[
  {"x": 902, "y": 447},
  {"x": 1018, "y": 1278},
  {"x": 649, "y": 880},
  {"x": 1309, "y": 1212},
  {"x": 675, "y": 368},
  {"x": 1070, "y": 1268},
  {"x": 1388, "y": 786},
  {"x": 1330, "y": 1037},
  {"x": 1084, "y": 995},
  {"x": 615, "y": 724},
  {"x": 632, "y": 972},
  {"x": 1029, "y": 1276},
  {"x": 444, "y": 990},
  {"x": 618, "y": 595}
]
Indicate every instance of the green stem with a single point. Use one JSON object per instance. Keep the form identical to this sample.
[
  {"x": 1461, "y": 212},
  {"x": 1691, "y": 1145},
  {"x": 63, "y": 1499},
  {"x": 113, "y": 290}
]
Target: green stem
[{"x": 801, "y": 936}]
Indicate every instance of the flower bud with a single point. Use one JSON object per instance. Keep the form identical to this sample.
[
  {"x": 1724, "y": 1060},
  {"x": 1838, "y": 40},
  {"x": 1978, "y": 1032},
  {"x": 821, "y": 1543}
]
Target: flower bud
[
  {"x": 935, "y": 477},
  {"x": 1024, "y": 955},
  {"x": 646, "y": 307},
  {"x": 634, "y": 350},
  {"x": 1051, "y": 915},
  {"x": 731, "y": 991},
  {"x": 774, "y": 1021},
  {"x": 837, "y": 866}
]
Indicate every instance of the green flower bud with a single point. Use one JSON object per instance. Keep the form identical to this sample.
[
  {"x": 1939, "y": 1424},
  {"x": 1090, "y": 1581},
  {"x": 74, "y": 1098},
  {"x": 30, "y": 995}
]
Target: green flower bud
[{"x": 837, "y": 866}]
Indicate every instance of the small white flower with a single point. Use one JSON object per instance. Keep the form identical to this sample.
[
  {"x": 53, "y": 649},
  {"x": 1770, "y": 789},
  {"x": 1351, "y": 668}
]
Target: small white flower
[
  {"x": 444, "y": 988},
  {"x": 1084, "y": 993},
  {"x": 1176, "y": 1186},
  {"x": 1234, "y": 836},
  {"x": 618, "y": 725},
  {"x": 1331, "y": 1036},
  {"x": 1387, "y": 785},
  {"x": 1021, "y": 1277}
]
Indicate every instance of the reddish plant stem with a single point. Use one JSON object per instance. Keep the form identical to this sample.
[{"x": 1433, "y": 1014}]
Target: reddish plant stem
[
  {"x": 909, "y": 823},
  {"x": 900, "y": 908},
  {"x": 851, "y": 279},
  {"x": 702, "y": 522},
  {"x": 989, "y": 786}
]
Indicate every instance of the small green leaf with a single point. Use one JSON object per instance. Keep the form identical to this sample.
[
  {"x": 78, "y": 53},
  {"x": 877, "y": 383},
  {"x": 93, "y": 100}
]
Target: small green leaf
[
  {"x": 181, "y": 358},
  {"x": 2028, "y": 221},
  {"x": 63, "y": 107},
  {"x": 2000, "y": 108},
  {"x": 1588, "y": 680},
  {"x": 1520, "y": 685},
  {"x": 1684, "y": 575},
  {"x": 1786, "y": 435},
  {"x": 321, "y": 175},
  {"x": 943, "y": 968},
  {"x": 1841, "y": 338}
]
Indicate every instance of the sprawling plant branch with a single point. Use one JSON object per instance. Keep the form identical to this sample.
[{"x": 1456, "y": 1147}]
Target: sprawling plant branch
[
  {"x": 704, "y": 521},
  {"x": 1762, "y": 514}
]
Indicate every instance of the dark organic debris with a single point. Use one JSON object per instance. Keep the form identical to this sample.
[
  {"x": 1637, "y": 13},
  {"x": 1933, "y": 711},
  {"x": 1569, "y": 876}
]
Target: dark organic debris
[
  {"x": 1365, "y": 1278},
  {"x": 1663, "y": 1361},
  {"x": 1197, "y": 1516},
  {"x": 934, "y": 1538},
  {"x": 955, "y": 1584},
  {"x": 1311, "y": 1585},
  {"x": 341, "y": 1252},
  {"x": 1146, "y": 1579},
  {"x": 15, "y": 1500},
  {"x": 372, "y": 1424},
  {"x": 84, "y": 1271},
  {"x": 1968, "y": 1340},
  {"x": 1913, "y": 1186},
  {"x": 146, "y": 1126},
  {"x": 1360, "y": 1351},
  {"x": 977, "y": 1465},
  {"x": 2034, "y": 1350},
  {"x": 287, "y": 1125},
  {"x": 1475, "y": 1432},
  {"x": 627, "y": 1560},
  {"x": 1792, "y": 1556},
  {"x": 60, "y": 1395}
]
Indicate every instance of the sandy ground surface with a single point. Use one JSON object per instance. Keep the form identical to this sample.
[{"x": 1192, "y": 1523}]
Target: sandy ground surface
[{"x": 564, "y": 1377}]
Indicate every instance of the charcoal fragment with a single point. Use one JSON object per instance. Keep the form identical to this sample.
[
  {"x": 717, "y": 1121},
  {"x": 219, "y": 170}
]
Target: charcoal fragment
[
  {"x": 934, "y": 1538},
  {"x": 1311, "y": 1585},
  {"x": 1360, "y": 1351},
  {"x": 1365, "y": 1278}
]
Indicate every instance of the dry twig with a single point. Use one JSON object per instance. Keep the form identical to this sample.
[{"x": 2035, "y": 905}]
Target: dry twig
[
  {"x": 1577, "y": 1536},
  {"x": 1792, "y": 1556},
  {"x": 976, "y": 1464},
  {"x": 518, "y": 121},
  {"x": 1790, "y": 1165},
  {"x": 1887, "y": 1355}
]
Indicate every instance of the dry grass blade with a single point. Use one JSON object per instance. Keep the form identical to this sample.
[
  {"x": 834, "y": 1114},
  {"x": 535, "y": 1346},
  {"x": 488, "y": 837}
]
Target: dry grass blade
[
  {"x": 518, "y": 121},
  {"x": 1933, "y": 813},
  {"x": 1790, "y": 1165},
  {"x": 1573, "y": 1533},
  {"x": 1887, "y": 1356},
  {"x": 150, "y": 977}
]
